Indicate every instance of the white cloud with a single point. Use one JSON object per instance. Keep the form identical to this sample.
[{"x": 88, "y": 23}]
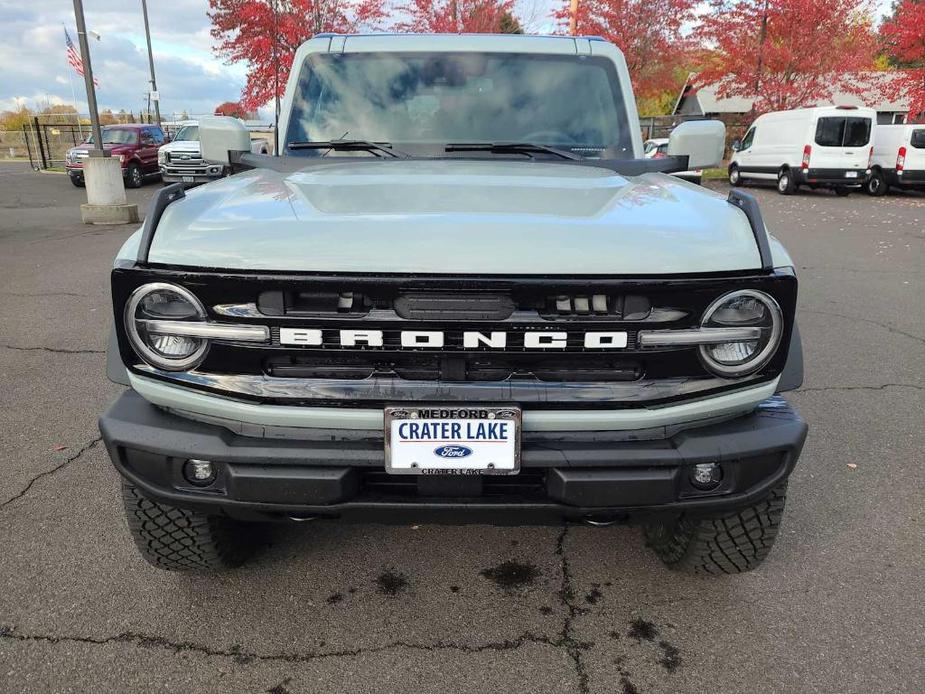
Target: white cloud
[{"x": 190, "y": 78}]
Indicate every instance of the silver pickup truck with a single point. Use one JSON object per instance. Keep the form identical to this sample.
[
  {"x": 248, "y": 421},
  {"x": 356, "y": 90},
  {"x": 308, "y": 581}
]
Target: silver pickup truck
[
  {"x": 180, "y": 160},
  {"x": 459, "y": 294}
]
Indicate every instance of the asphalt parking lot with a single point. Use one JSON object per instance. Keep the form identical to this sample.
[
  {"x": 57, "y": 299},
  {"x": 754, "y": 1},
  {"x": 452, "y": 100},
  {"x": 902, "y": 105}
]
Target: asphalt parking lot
[{"x": 838, "y": 606}]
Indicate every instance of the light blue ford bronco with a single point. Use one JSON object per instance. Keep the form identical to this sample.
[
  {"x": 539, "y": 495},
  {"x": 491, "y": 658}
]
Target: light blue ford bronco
[{"x": 458, "y": 293}]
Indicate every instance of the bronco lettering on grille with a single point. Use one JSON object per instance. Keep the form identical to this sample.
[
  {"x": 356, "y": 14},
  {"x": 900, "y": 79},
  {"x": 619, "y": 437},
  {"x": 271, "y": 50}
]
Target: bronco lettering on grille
[{"x": 437, "y": 339}]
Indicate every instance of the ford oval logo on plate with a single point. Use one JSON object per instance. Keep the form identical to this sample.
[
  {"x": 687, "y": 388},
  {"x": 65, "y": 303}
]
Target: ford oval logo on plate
[{"x": 453, "y": 451}]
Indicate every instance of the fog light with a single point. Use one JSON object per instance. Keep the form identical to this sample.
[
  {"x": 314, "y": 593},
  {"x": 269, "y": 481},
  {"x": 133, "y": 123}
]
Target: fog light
[
  {"x": 199, "y": 472},
  {"x": 706, "y": 476}
]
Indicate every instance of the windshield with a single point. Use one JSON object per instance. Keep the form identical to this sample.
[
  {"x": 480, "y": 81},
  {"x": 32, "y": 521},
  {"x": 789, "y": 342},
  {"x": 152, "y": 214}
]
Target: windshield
[
  {"x": 117, "y": 136},
  {"x": 433, "y": 99},
  {"x": 188, "y": 133}
]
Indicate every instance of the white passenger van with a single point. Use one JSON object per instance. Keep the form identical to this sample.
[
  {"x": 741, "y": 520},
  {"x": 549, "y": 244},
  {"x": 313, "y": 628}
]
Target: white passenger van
[
  {"x": 821, "y": 147},
  {"x": 899, "y": 158}
]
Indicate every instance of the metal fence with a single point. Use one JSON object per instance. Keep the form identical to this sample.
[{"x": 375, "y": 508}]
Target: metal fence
[
  {"x": 655, "y": 127},
  {"x": 46, "y": 144}
]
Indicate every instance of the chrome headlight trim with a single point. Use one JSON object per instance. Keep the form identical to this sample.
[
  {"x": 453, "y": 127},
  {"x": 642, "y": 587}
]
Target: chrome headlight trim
[
  {"x": 763, "y": 356},
  {"x": 138, "y": 343}
]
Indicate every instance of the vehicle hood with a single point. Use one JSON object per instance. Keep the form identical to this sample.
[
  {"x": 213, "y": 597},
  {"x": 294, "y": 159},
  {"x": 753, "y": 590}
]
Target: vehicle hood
[
  {"x": 112, "y": 148},
  {"x": 460, "y": 217},
  {"x": 181, "y": 146}
]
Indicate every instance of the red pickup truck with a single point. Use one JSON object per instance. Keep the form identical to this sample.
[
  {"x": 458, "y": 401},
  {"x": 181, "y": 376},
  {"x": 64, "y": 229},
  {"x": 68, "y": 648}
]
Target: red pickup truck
[{"x": 135, "y": 145}]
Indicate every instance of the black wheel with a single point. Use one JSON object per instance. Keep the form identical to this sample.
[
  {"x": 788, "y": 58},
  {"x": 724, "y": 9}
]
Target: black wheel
[
  {"x": 78, "y": 183},
  {"x": 179, "y": 540},
  {"x": 842, "y": 192},
  {"x": 727, "y": 544},
  {"x": 876, "y": 185},
  {"x": 133, "y": 176},
  {"x": 735, "y": 177},
  {"x": 785, "y": 183}
]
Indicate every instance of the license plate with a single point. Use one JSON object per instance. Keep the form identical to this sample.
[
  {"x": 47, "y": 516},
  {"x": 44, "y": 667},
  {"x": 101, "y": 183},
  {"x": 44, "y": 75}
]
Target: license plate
[
  {"x": 189, "y": 179},
  {"x": 452, "y": 440},
  {"x": 851, "y": 174}
]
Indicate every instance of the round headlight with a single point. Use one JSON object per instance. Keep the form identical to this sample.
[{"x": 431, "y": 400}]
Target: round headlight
[
  {"x": 160, "y": 301},
  {"x": 746, "y": 308}
]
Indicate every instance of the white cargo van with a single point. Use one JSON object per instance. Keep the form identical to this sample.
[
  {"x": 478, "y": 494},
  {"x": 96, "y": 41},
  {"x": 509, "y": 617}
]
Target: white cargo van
[
  {"x": 899, "y": 158},
  {"x": 821, "y": 147}
]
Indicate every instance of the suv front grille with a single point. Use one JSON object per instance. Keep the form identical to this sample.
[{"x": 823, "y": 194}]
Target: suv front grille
[{"x": 468, "y": 364}]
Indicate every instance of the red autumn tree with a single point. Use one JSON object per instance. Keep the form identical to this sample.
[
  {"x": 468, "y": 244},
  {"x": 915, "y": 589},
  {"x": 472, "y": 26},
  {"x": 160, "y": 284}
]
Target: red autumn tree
[
  {"x": 649, "y": 32},
  {"x": 456, "y": 16},
  {"x": 264, "y": 33},
  {"x": 904, "y": 33},
  {"x": 786, "y": 53},
  {"x": 230, "y": 108}
]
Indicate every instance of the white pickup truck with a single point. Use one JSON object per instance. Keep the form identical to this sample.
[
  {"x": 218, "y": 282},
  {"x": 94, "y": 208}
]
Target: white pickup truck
[{"x": 180, "y": 160}]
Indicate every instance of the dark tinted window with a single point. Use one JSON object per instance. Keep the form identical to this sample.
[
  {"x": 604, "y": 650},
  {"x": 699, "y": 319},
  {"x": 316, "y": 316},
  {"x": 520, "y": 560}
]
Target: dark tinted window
[
  {"x": 830, "y": 132},
  {"x": 836, "y": 131},
  {"x": 918, "y": 139},
  {"x": 857, "y": 132},
  {"x": 438, "y": 98}
]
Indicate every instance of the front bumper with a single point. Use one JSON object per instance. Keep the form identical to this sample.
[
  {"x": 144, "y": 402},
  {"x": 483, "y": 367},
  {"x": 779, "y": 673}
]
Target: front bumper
[
  {"x": 198, "y": 174},
  {"x": 597, "y": 475}
]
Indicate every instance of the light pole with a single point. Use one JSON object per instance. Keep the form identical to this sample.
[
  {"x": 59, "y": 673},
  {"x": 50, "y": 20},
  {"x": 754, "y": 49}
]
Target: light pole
[
  {"x": 154, "y": 95},
  {"x": 98, "y": 150},
  {"x": 102, "y": 174}
]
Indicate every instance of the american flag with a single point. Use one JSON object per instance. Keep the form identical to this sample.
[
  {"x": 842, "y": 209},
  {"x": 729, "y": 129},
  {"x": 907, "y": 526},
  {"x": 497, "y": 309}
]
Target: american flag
[{"x": 73, "y": 57}]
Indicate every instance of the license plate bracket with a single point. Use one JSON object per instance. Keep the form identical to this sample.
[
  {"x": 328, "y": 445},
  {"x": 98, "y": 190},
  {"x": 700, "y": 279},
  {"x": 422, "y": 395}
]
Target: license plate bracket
[{"x": 452, "y": 440}]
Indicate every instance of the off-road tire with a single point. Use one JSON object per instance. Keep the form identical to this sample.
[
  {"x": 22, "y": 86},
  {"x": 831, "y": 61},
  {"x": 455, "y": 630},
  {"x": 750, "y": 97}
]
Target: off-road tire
[
  {"x": 180, "y": 540},
  {"x": 729, "y": 544},
  {"x": 876, "y": 185},
  {"x": 785, "y": 183},
  {"x": 735, "y": 177}
]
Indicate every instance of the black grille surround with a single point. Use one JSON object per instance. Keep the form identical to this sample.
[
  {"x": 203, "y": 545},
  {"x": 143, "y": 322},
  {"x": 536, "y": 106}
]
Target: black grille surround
[{"x": 368, "y": 377}]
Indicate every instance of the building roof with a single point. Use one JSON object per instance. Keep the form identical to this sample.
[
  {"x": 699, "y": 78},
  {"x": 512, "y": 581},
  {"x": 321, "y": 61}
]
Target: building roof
[{"x": 709, "y": 102}]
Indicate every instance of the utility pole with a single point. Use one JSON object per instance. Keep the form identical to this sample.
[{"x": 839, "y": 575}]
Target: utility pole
[
  {"x": 156, "y": 96},
  {"x": 102, "y": 173},
  {"x": 276, "y": 76},
  {"x": 573, "y": 18},
  {"x": 88, "y": 79}
]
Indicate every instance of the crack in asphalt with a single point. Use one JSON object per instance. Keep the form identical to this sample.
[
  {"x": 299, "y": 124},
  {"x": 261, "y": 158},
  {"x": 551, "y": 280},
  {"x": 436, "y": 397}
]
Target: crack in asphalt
[
  {"x": 822, "y": 389},
  {"x": 245, "y": 657},
  {"x": 36, "y": 294},
  {"x": 567, "y": 639},
  {"x": 917, "y": 338},
  {"x": 54, "y": 350},
  {"x": 67, "y": 461}
]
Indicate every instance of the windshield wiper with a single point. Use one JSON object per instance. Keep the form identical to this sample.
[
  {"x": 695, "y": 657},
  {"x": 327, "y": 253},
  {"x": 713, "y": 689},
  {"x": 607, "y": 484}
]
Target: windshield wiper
[
  {"x": 527, "y": 148},
  {"x": 380, "y": 149}
]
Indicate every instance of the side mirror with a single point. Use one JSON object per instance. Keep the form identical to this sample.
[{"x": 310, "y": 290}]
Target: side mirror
[
  {"x": 701, "y": 141},
  {"x": 736, "y": 145},
  {"x": 219, "y": 135}
]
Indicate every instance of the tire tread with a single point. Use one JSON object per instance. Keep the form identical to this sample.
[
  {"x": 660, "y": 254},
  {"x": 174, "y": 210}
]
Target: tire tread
[
  {"x": 181, "y": 540},
  {"x": 728, "y": 544}
]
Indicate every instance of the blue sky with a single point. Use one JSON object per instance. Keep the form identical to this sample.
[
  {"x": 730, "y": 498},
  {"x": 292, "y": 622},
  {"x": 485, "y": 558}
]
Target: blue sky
[{"x": 34, "y": 69}]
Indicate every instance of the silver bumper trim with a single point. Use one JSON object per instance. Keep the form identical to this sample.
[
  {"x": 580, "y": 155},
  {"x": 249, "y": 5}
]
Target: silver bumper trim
[{"x": 180, "y": 400}]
